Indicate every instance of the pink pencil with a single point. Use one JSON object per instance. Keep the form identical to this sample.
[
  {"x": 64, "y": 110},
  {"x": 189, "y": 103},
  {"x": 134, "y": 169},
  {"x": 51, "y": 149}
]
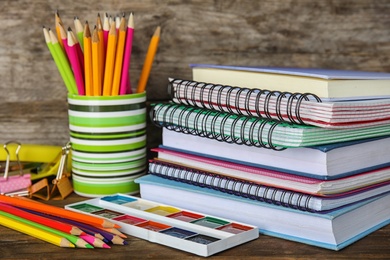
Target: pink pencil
[
  {"x": 76, "y": 65},
  {"x": 106, "y": 29},
  {"x": 125, "y": 87},
  {"x": 96, "y": 242}
]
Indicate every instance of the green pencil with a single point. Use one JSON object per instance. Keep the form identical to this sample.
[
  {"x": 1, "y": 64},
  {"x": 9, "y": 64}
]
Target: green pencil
[
  {"x": 78, "y": 242},
  {"x": 62, "y": 63}
]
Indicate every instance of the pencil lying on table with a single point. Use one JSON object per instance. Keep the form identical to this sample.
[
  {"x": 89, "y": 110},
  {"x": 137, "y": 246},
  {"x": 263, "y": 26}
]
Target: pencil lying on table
[
  {"x": 72, "y": 230},
  {"x": 56, "y": 211},
  {"x": 35, "y": 232},
  {"x": 78, "y": 242}
]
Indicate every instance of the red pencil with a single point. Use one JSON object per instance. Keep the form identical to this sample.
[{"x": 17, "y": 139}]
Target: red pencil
[
  {"x": 66, "y": 228},
  {"x": 56, "y": 211}
]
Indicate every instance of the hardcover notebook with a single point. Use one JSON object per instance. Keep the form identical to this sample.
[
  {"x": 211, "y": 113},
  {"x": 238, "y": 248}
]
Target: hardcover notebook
[
  {"x": 334, "y": 230},
  {"x": 320, "y": 162},
  {"x": 325, "y": 83},
  {"x": 253, "y": 131},
  {"x": 295, "y": 108}
]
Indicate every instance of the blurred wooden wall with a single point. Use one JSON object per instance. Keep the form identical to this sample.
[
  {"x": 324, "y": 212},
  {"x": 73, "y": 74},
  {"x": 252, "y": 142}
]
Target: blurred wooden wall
[{"x": 348, "y": 34}]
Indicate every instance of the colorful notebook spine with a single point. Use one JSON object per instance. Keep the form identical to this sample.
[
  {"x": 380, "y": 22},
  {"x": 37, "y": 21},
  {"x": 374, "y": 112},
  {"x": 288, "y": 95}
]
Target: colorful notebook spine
[{"x": 283, "y": 106}]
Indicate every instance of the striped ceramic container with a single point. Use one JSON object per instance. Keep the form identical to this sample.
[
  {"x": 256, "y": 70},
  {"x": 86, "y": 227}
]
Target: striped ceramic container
[{"x": 108, "y": 137}]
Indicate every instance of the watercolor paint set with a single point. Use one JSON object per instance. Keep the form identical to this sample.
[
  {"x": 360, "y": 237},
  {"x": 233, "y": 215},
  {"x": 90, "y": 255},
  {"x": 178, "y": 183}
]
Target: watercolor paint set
[{"x": 190, "y": 231}]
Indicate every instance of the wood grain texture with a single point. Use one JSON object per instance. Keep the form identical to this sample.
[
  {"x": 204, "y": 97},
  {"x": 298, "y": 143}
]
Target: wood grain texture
[{"x": 349, "y": 34}]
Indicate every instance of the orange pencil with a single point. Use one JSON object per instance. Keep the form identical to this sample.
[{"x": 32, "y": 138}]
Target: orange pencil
[
  {"x": 149, "y": 60},
  {"x": 102, "y": 49},
  {"x": 88, "y": 61},
  {"x": 119, "y": 58},
  {"x": 96, "y": 59},
  {"x": 58, "y": 23},
  {"x": 110, "y": 61},
  {"x": 56, "y": 211}
]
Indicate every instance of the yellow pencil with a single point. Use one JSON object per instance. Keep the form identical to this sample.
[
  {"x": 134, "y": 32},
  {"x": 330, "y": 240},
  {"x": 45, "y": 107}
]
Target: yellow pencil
[
  {"x": 88, "y": 61},
  {"x": 96, "y": 59},
  {"x": 149, "y": 60},
  {"x": 35, "y": 232},
  {"x": 110, "y": 60},
  {"x": 119, "y": 58}
]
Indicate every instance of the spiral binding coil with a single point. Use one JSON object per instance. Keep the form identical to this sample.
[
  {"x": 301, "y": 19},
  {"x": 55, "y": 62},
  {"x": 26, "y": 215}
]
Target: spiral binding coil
[
  {"x": 231, "y": 185},
  {"x": 163, "y": 115},
  {"x": 219, "y": 97}
]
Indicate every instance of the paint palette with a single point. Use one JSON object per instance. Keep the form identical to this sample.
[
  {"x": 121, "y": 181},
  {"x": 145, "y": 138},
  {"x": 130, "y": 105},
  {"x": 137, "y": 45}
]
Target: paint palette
[{"x": 186, "y": 230}]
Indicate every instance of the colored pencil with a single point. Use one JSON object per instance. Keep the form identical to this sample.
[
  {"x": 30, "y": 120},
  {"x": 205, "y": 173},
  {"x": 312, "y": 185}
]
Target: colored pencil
[
  {"x": 76, "y": 64},
  {"x": 78, "y": 48},
  {"x": 77, "y": 241},
  {"x": 58, "y": 24},
  {"x": 119, "y": 58},
  {"x": 110, "y": 61},
  {"x": 88, "y": 69},
  {"x": 114, "y": 231},
  {"x": 35, "y": 232},
  {"x": 102, "y": 49},
  {"x": 60, "y": 67},
  {"x": 64, "y": 227},
  {"x": 152, "y": 49},
  {"x": 79, "y": 31},
  {"x": 125, "y": 87},
  {"x": 63, "y": 39},
  {"x": 95, "y": 242},
  {"x": 112, "y": 238},
  {"x": 56, "y": 211},
  {"x": 106, "y": 29},
  {"x": 63, "y": 61},
  {"x": 96, "y": 59}
]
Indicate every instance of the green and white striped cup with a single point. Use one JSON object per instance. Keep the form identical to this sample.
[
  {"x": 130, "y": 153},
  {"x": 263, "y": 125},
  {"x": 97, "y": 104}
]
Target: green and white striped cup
[{"x": 108, "y": 138}]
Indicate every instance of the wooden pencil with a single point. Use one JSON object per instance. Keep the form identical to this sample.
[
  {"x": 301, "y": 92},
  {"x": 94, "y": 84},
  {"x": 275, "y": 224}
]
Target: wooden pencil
[
  {"x": 88, "y": 66},
  {"x": 102, "y": 49},
  {"x": 94, "y": 241},
  {"x": 35, "y": 232},
  {"x": 96, "y": 59},
  {"x": 77, "y": 241},
  {"x": 79, "y": 31},
  {"x": 57, "y": 61},
  {"x": 119, "y": 58},
  {"x": 64, "y": 227},
  {"x": 152, "y": 49},
  {"x": 125, "y": 87},
  {"x": 110, "y": 61},
  {"x": 56, "y": 211},
  {"x": 63, "y": 60},
  {"x": 76, "y": 63},
  {"x": 58, "y": 23}
]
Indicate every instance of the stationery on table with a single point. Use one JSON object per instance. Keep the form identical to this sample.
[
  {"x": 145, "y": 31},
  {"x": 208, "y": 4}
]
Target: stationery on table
[{"x": 97, "y": 62}]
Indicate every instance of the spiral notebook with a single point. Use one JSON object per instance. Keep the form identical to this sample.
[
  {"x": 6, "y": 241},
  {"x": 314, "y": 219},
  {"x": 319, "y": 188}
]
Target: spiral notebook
[
  {"x": 253, "y": 131},
  {"x": 275, "y": 178},
  {"x": 283, "y": 106},
  {"x": 261, "y": 192}
]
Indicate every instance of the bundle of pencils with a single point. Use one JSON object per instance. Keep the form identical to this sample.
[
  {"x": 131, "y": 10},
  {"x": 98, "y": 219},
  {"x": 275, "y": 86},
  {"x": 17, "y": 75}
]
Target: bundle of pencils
[
  {"x": 96, "y": 61},
  {"x": 58, "y": 226}
]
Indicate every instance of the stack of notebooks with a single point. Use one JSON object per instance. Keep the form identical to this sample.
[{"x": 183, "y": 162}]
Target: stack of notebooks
[{"x": 303, "y": 154}]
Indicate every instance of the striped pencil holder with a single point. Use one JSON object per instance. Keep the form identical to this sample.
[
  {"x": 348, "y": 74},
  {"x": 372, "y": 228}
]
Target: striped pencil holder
[{"x": 108, "y": 138}]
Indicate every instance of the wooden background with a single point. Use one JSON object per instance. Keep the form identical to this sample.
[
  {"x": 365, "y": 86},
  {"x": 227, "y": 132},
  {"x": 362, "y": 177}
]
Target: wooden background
[{"x": 348, "y": 34}]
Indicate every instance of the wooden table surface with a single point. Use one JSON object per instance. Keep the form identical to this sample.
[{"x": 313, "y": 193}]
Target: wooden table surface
[{"x": 15, "y": 245}]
